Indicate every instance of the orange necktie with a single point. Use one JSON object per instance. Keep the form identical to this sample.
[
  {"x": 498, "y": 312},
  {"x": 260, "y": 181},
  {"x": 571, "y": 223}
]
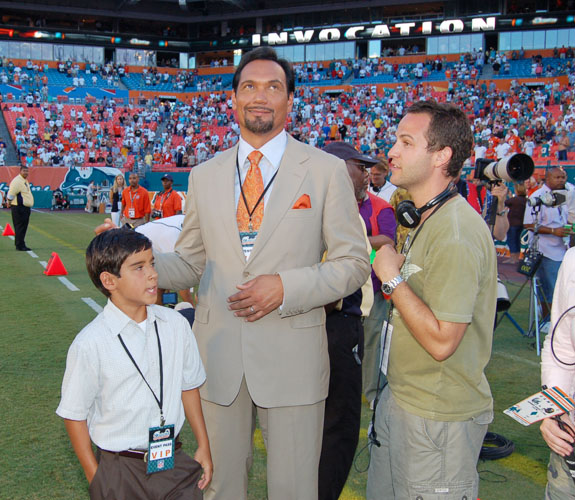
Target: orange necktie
[{"x": 252, "y": 189}]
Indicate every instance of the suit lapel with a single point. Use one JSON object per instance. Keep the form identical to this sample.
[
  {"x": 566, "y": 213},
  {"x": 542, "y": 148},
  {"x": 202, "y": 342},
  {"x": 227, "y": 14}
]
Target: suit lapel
[
  {"x": 287, "y": 183},
  {"x": 224, "y": 180}
]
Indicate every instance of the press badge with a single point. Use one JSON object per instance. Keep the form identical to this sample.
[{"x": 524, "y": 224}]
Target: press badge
[
  {"x": 386, "y": 333},
  {"x": 248, "y": 239},
  {"x": 161, "y": 449},
  {"x": 131, "y": 213}
]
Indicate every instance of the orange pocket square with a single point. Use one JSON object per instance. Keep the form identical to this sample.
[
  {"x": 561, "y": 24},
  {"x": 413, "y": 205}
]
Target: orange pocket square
[{"x": 302, "y": 202}]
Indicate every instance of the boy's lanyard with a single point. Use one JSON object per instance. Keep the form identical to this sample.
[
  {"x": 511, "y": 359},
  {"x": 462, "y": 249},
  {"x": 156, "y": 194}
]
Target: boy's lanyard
[{"x": 161, "y": 400}]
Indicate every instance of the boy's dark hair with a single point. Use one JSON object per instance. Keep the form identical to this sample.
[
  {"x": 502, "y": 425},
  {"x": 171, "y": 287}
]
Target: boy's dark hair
[
  {"x": 108, "y": 251},
  {"x": 266, "y": 54},
  {"x": 449, "y": 127}
]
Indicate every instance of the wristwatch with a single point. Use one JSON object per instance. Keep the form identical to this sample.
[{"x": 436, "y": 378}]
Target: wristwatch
[{"x": 389, "y": 286}]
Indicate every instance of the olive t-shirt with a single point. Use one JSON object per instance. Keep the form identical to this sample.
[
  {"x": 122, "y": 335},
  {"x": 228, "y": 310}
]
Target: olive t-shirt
[{"x": 452, "y": 267}]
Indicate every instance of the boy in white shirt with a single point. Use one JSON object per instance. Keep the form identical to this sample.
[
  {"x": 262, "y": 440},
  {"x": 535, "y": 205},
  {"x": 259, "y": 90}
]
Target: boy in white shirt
[{"x": 132, "y": 378}]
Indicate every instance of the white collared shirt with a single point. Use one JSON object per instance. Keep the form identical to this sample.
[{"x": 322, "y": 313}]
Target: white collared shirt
[
  {"x": 273, "y": 152},
  {"x": 385, "y": 192},
  {"x": 102, "y": 385},
  {"x": 551, "y": 246}
]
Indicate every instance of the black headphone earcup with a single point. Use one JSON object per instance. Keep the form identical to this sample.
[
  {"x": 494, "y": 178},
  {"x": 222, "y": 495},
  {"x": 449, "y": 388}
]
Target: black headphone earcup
[{"x": 407, "y": 214}]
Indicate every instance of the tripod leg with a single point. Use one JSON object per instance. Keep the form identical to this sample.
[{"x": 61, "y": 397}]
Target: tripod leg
[
  {"x": 537, "y": 313},
  {"x": 515, "y": 324},
  {"x": 501, "y": 316}
]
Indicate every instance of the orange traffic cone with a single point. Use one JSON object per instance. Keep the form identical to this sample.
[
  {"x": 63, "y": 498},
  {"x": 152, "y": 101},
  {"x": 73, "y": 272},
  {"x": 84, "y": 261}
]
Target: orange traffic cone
[
  {"x": 55, "y": 266},
  {"x": 8, "y": 231}
]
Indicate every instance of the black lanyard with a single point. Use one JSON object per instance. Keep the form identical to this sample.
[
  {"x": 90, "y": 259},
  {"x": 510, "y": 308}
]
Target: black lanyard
[
  {"x": 161, "y": 400},
  {"x": 251, "y": 212}
]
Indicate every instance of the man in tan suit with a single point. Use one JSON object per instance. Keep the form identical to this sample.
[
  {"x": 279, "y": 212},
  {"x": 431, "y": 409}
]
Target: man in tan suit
[{"x": 260, "y": 322}]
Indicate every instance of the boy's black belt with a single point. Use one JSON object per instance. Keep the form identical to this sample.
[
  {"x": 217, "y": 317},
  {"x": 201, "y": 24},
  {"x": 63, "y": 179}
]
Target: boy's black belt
[{"x": 138, "y": 454}]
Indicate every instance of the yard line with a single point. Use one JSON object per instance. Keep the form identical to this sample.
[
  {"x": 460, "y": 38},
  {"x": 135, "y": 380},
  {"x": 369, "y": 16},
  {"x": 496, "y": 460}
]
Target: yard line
[
  {"x": 32, "y": 254},
  {"x": 93, "y": 304},
  {"x": 64, "y": 218},
  {"x": 62, "y": 242},
  {"x": 519, "y": 359},
  {"x": 43, "y": 263},
  {"x": 69, "y": 285},
  {"x": 11, "y": 237}
]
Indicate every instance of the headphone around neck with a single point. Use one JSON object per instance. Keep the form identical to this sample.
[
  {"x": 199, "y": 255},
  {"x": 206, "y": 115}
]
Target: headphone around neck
[{"x": 408, "y": 215}]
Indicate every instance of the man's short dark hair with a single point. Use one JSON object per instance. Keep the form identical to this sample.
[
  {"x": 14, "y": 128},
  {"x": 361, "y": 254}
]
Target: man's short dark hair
[
  {"x": 266, "y": 54},
  {"x": 449, "y": 127},
  {"x": 22, "y": 167},
  {"x": 108, "y": 251}
]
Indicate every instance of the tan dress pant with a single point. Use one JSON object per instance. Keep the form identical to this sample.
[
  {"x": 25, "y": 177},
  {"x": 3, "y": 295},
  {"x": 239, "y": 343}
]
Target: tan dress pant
[{"x": 292, "y": 436}]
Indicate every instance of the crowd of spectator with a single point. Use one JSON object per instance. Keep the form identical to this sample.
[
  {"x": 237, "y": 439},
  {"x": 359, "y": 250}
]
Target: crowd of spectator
[
  {"x": 539, "y": 122},
  {"x": 183, "y": 80},
  {"x": 62, "y": 135}
]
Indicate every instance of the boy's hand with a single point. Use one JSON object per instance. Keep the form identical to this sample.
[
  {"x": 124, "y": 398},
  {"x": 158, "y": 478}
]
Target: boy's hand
[
  {"x": 90, "y": 473},
  {"x": 80, "y": 439},
  {"x": 204, "y": 458}
]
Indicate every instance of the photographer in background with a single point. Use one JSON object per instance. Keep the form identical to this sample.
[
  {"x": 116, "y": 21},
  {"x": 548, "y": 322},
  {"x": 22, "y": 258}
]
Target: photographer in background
[
  {"x": 552, "y": 233},
  {"x": 501, "y": 223},
  {"x": 555, "y": 372},
  {"x": 488, "y": 199},
  {"x": 516, "y": 205},
  {"x": 166, "y": 203}
]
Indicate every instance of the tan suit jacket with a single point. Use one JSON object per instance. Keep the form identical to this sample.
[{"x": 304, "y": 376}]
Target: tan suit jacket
[{"x": 283, "y": 356}]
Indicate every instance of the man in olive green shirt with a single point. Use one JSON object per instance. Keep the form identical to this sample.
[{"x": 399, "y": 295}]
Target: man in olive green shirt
[
  {"x": 432, "y": 417},
  {"x": 20, "y": 199}
]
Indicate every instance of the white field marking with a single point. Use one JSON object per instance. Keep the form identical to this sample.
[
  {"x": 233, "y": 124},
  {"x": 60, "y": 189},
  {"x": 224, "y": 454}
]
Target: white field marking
[
  {"x": 32, "y": 254},
  {"x": 63, "y": 217},
  {"x": 93, "y": 304},
  {"x": 519, "y": 359},
  {"x": 11, "y": 237},
  {"x": 68, "y": 284},
  {"x": 43, "y": 263}
]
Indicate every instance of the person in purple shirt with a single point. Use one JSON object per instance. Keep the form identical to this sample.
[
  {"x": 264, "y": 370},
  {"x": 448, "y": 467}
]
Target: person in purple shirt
[
  {"x": 379, "y": 218},
  {"x": 345, "y": 336}
]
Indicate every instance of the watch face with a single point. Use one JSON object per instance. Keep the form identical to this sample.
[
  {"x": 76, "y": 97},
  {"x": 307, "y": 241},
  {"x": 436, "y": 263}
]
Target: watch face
[{"x": 386, "y": 288}]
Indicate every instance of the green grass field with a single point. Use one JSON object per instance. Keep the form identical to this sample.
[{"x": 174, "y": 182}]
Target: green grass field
[{"x": 40, "y": 316}]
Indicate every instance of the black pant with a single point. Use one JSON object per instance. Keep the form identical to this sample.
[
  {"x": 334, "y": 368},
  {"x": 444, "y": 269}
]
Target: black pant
[
  {"x": 20, "y": 219},
  {"x": 343, "y": 403}
]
